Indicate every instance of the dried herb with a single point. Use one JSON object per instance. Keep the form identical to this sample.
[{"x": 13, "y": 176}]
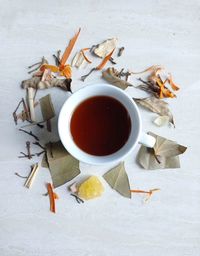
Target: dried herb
[
  {"x": 117, "y": 178},
  {"x": 35, "y": 82},
  {"x": 113, "y": 76},
  {"x": 149, "y": 193},
  {"x": 156, "y": 84},
  {"x": 165, "y": 154},
  {"x": 24, "y": 115},
  {"x": 78, "y": 199},
  {"x": 103, "y": 49},
  {"x": 157, "y": 106},
  {"x": 112, "y": 61},
  {"x": 69, "y": 48},
  {"x": 39, "y": 145},
  {"x": 47, "y": 109},
  {"x": 51, "y": 198},
  {"x": 63, "y": 167},
  {"x": 80, "y": 59},
  {"x": 121, "y": 49},
  {"x": 100, "y": 66},
  {"x": 29, "y": 133},
  {"x": 31, "y": 93},
  {"x": 19, "y": 175},
  {"x": 38, "y": 64},
  {"x": 31, "y": 176}
]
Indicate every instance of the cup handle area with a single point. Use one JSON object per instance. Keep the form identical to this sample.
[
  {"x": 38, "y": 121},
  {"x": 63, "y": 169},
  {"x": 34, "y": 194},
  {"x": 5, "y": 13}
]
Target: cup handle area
[{"x": 147, "y": 140}]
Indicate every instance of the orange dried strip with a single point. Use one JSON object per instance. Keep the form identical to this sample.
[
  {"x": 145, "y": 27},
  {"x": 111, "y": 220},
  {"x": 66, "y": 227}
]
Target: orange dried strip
[
  {"x": 154, "y": 68},
  {"x": 69, "y": 49},
  {"x": 53, "y": 68},
  {"x": 51, "y": 198},
  {"x": 172, "y": 84},
  {"x": 105, "y": 60},
  {"x": 85, "y": 57},
  {"x": 150, "y": 192}
]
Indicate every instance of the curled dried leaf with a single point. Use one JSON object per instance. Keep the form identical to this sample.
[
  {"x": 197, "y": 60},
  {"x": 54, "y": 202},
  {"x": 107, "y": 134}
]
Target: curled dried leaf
[
  {"x": 111, "y": 75},
  {"x": 157, "y": 106},
  {"x": 165, "y": 154}
]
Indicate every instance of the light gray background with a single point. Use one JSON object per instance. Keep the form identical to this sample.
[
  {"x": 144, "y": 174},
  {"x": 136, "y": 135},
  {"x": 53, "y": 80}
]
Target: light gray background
[{"x": 153, "y": 32}]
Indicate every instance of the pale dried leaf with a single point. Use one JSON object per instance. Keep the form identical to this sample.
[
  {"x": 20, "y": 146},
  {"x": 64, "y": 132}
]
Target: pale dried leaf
[
  {"x": 164, "y": 155},
  {"x": 110, "y": 75},
  {"x": 117, "y": 178},
  {"x": 47, "y": 107},
  {"x": 103, "y": 49},
  {"x": 63, "y": 167},
  {"x": 157, "y": 106},
  {"x": 79, "y": 60},
  {"x": 161, "y": 120}
]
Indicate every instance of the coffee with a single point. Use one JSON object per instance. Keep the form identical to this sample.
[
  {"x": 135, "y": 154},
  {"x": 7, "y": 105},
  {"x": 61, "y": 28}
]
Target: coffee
[{"x": 100, "y": 125}]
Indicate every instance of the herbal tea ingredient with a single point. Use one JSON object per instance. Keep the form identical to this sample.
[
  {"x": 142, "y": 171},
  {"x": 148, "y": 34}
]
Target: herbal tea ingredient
[
  {"x": 118, "y": 180},
  {"x": 62, "y": 166},
  {"x": 165, "y": 154}
]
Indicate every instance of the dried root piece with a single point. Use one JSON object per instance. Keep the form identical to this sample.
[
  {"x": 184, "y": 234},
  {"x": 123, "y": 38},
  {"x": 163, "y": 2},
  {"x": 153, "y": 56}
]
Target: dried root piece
[{"x": 31, "y": 176}]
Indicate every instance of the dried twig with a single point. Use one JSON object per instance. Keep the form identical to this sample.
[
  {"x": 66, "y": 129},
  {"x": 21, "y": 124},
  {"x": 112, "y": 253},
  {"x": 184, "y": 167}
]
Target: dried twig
[
  {"x": 121, "y": 49},
  {"x": 39, "y": 145},
  {"x": 85, "y": 76},
  {"x": 28, "y": 146},
  {"x": 31, "y": 176},
  {"x": 15, "y": 111},
  {"x": 19, "y": 175},
  {"x": 112, "y": 61},
  {"x": 78, "y": 199},
  {"x": 30, "y": 133}
]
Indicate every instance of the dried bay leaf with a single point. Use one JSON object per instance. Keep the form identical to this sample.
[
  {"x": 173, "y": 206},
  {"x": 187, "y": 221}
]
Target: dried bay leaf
[
  {"x": 157, "y": 106},
  {"x": 111, "y": 75},
  {"x": 47, "y": 107},
  {"x": 165, "y": 154},
  {"x": 103, "y": 49},
  {"x": 63, "y": 167},
  {"x": 117, "y": 178}
]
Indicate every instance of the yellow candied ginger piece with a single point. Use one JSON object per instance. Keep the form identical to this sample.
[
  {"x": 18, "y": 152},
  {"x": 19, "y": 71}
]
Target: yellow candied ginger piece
[{"x": 90, "y": 188}]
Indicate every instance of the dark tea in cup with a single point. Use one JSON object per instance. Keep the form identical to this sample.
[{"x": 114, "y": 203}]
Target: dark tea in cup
[{"x": 100, "y": 125}]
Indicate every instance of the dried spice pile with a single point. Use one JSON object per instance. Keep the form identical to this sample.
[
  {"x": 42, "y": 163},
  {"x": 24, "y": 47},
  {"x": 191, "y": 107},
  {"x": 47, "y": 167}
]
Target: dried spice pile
[{"x": 62, "y": 166}]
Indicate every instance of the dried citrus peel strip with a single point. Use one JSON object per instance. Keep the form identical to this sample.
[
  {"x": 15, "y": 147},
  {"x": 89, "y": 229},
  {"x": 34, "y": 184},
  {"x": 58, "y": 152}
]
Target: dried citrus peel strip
[
  {"x": 69, "y": 49},
  {"x": 85, "y": 57},
  {"x": 172, "y": 84},
  {"x": 149, "y": 193},
  {"x": 100, "y": 66},
  {"x": 105, "y": 60},
  {"x": 51, "y": 197}
]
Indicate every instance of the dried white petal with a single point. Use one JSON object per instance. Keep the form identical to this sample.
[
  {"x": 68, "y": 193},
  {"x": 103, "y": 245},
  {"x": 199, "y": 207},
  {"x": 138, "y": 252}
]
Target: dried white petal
[{"x": 103, "y": 49}]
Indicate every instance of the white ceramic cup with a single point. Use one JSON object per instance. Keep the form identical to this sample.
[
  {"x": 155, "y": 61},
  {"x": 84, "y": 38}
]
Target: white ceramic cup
[{"x": 136, "y": 135}]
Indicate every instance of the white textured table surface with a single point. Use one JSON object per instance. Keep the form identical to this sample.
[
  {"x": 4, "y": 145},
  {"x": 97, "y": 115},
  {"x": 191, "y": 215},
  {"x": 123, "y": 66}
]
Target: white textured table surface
[{"x": 153, "y": 32}]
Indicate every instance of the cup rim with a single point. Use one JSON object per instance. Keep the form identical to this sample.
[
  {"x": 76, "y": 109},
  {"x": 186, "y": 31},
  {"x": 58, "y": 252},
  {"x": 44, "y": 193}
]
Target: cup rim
[{"x": 91, "y": 158}]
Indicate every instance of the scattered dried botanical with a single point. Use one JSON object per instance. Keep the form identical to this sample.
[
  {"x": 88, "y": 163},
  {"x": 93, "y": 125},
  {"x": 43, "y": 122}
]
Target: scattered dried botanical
[
  {"x": 19, "y": 175},
  {"x": 29, "y": 133},
  {"x": 155, "y": 84},
  {"x": 78, "y": 199},
  {"x": 51, "y": 198},
  {"x": 31, "y": 93},
  {"x": 149, "y": 193},
  {"x": 80, "y": 59},
  {"x": 121, "y": 49},
  {"x": 157, "y": 106},
  {"x": 63, "y": 167},
  {"x": 165, "y": 154},
  {"x": 103, "y": 49},
  {"x": 113, "y": 77},
  {"x": 31, "y": 176},
  {"x": 117, "y": 178},
  {"x": 100, "y": 66}
]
